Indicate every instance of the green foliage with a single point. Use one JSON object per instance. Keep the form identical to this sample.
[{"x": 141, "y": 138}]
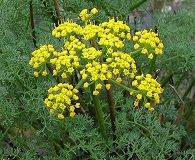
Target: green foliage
[
  {"x": 177, "y": 31},
  {"x": 140, "y": 131},
  {"x": 27, "y": 131},
  {"x": 187, "y": 155}
]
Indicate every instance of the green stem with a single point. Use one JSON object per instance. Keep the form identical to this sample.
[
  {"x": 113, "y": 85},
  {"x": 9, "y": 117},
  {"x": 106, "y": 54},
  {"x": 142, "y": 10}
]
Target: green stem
[
  {"x": 136, "y": 53},
  {"x": 137, "y": 4},
  {"x": 57, "y": 9},
  {"x": 1, "y": 3},
  {"x": 99, "y": 112},
  {"x": 80, "y": 83},
  {"x": 170, "y": 59},
  {"x": 188, "y": 89},
  {"x": 152, "y": 65},
  {"x": 123, "y": 86},
  {"x": 6, "y": 131},
  {"x": 180, "y": 80},
  {"x": 143, "y": 127},
  {"x": 166, "y": 80},
  {"x": 21, "y": 82},
  {"x": 191, "y": 106},
  {"x": 111, "y": 107},
  {"x": 50, "y": 68},
  {"x": 32, "y": 24}
]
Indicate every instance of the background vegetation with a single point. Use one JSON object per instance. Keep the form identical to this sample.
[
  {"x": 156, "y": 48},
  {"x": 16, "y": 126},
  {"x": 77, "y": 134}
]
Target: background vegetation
[{"x": 28, "y": 131}]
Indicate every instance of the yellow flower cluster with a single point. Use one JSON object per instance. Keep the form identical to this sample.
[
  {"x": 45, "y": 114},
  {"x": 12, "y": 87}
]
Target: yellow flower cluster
[
  {"x": 91, "y": 31},
  {"x": 85, "y": 16},
  {"x": 114, "y": 33},
  {"x": 109, "y": 34},
  {"x": 149, "y": 88},
  {"x": 60, "y": 99},
  {"x": 117, "y": 27},
  {"x": 110, "y": 40},
  {"x": 96, "y": 71},
  {"x": 74, "y": 45},
  {"x": 117, "y": 65},
  {"x": 149, "y": 43},
  {"x": 68, "y": 59},
  {"x": 40, "y": 57},
  {"x": 95, "y": 64},
  {"x": 66, "y": 29},
  {"x": 91, "y": 53},
  {"x": 121, "y": 64}
]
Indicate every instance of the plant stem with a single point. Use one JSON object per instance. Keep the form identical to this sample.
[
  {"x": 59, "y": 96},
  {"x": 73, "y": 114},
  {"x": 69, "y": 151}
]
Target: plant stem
[
  {"x": 57, "y": 9},
  {"x": 3, "y": 134},
  {"x": 109, "y": 97},
  {"x": 1, "y": 2},
  {"x": 123, "y": 86},
  {"x": 137, "y": 4},
  {"x": 32, "y": 24},
  {"x": 166, "y": 80},
  {"x": 50, "y": 12},
  {"x": 188, "y": 89},
  {"x": 99, "y": 112},
  {"x": 111, "y": 106},
  {"x": 181, "y": 108},
  {"x": 80, "y": 83},
  {"x": 135, "y": 53},
  {"x": 152, "y": 65},
  {"x": 50, "y": 68}
]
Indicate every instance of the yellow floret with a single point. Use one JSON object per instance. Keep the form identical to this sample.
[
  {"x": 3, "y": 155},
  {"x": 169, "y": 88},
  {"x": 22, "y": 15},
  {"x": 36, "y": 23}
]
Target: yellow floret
[
  {"x": 99, "y": 86},
  {"x": 139, "y": 96},
  {"x": 136, "y": 46},
  {"x": 147, "y": 105},
  {"x": 94, "y": 11},
  {"x": 44, "y": 73},
  {"x": 77, "y": 105},
  {"x": 36, "y": 74},
  {"x": 108, "y": 86},
  {"x": 95, "y": 93},
  {"x": 60, "y": 116},
  {"x": 72, "y": 114}
]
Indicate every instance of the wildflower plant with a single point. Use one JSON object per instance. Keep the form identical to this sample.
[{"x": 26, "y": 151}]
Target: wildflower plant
[
  {"x": 144, "y": 124},
  {"x": 94, "y": 53}
]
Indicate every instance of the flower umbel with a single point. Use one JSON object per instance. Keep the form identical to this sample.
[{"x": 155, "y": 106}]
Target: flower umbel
[
  {"x": 95, "y": 54},
  {"x": 60, "y": 99},
  {"x": 149, "y": 42},
  {"x": 148, "y": 88}
]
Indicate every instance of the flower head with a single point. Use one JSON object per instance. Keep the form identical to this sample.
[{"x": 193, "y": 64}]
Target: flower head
[
  {"x": 149, "y": 42},
  {"x": 148, "y": 88},
  {"x": 96, "y": 54},
  {"x": 60, "y": 99}
]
